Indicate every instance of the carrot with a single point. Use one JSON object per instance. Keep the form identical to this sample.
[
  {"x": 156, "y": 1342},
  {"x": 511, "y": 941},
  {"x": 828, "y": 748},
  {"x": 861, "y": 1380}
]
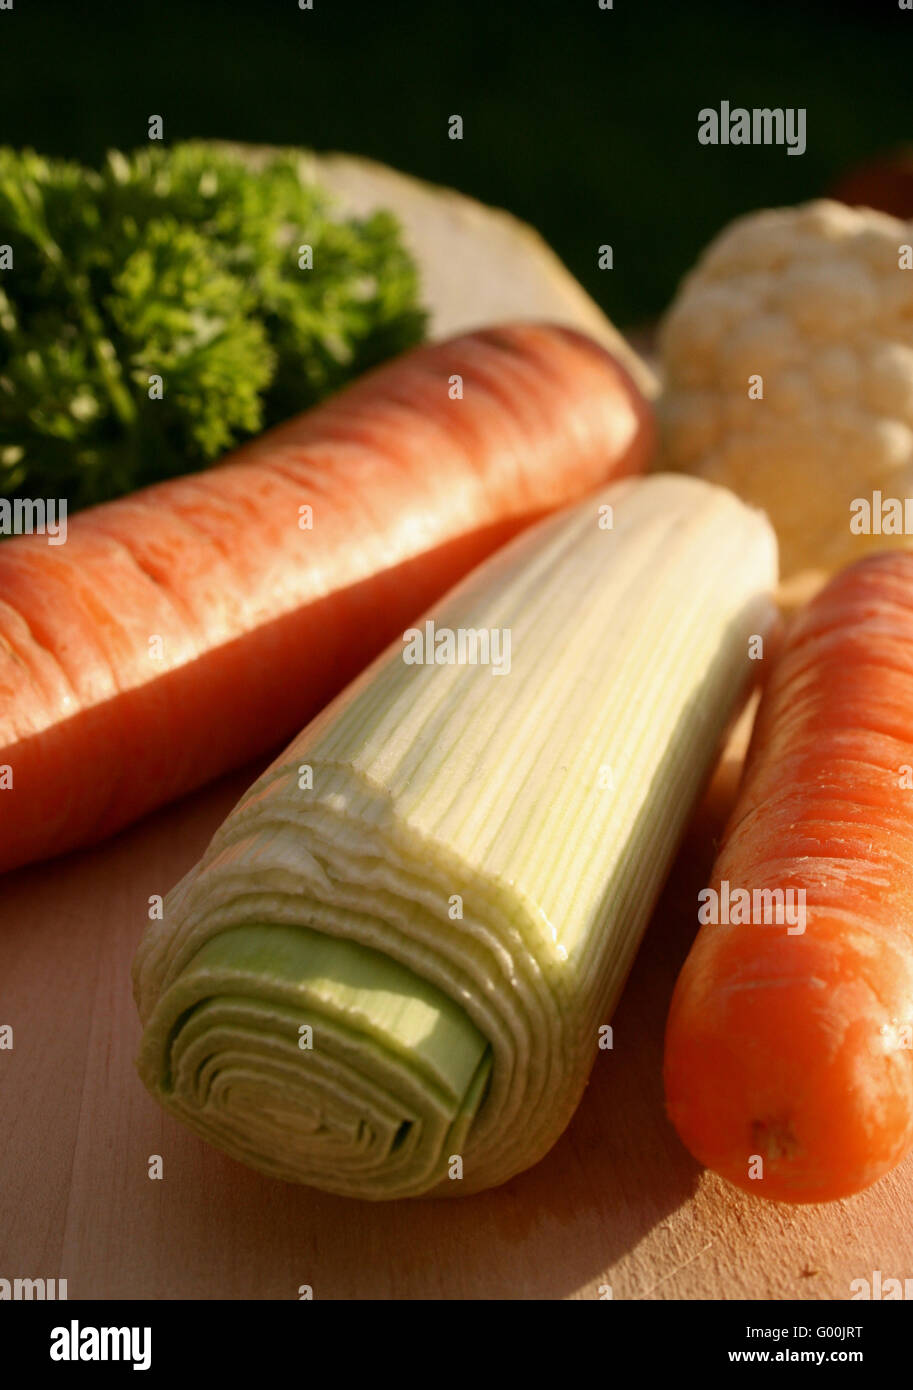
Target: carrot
[
  {"x": 181, "y": 631},
  {"x": 789, "y": 1056}
]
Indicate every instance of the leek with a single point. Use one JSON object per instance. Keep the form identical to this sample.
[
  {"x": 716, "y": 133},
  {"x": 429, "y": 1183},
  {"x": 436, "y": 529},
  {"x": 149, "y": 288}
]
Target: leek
[{"x": 388, "y": 973}]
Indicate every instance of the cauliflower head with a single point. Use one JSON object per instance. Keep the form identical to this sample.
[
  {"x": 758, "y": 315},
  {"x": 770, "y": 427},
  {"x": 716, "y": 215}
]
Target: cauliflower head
[{"x": 788, "y": 360}]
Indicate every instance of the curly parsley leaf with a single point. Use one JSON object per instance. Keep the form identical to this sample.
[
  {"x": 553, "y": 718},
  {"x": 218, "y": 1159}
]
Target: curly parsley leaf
[{"x": 182, "y": 265}]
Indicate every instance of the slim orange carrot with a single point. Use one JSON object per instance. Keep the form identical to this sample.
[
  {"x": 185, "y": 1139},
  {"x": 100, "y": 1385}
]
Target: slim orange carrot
[
  {"x": 181, "y": 631},
  {"x": 789, "y": 1048}
]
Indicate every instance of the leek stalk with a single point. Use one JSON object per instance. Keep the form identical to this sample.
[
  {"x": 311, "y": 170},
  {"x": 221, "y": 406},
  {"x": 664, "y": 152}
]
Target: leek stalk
[{"x": 399, "y": 948}]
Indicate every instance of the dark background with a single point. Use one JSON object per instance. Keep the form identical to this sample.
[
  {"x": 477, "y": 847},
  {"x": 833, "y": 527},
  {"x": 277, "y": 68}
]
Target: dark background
[{"x": 582, "y": 121}]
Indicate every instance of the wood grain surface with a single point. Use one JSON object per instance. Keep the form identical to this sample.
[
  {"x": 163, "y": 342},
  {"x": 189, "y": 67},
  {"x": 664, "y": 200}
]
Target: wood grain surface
[{"x": 617, "y": 1202}]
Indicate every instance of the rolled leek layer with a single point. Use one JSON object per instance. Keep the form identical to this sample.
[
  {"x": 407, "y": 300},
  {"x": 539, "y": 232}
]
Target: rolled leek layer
[{"x": 388, "y": 972}]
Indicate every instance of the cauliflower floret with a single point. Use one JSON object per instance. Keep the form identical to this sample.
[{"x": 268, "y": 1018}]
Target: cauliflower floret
[{"x": 788, "y": 359}]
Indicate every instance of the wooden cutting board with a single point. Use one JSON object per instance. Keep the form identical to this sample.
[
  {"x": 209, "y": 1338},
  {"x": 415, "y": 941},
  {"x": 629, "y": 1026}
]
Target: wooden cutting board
[{"x": 617, "y": 1202}]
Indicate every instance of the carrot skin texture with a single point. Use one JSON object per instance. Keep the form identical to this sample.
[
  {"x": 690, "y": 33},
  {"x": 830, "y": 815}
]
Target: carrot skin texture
[
  {"x": 797, "y": 1047},
  {"x": 261, "y": 621}
]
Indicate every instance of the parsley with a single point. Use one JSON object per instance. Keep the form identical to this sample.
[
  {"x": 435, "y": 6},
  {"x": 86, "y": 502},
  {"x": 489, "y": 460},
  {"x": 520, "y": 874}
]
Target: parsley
[{"x": 182, "y": 264}]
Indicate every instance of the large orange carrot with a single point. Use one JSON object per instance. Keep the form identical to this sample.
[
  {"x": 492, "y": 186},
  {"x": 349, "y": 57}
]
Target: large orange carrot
[
  {"x": 789, "y": 1052},
  {"x": 181, "y": 631}
]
